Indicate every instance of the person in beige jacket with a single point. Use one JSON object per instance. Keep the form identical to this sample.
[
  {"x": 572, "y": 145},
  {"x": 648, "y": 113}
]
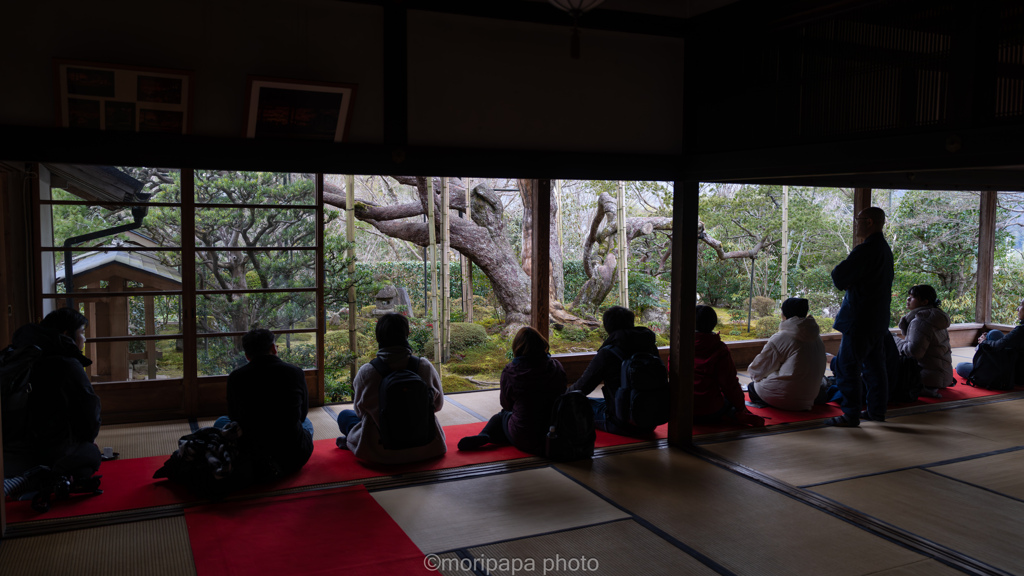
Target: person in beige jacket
[
  {"x": 787, "y": 373},
  {"x": 361, "y": 427},
  {"x": 925, "y": 337}
]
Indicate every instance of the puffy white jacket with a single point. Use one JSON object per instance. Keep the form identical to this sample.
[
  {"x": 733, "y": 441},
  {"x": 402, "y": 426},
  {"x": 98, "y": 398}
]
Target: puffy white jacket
[
  {"x": 788, "y": 370},
  {"x": 926, "y": 338}
]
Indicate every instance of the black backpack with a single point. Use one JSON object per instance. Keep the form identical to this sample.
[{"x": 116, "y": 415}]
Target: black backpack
[
  {"x": 15, "y": 388},
  {"x": 571, "y": 435},
  {"x": 907, "y": 386},
  {"x": 994, "y": 369},
  {"x": 642, "y": 398},
  {"x": 406, "y": 406}
]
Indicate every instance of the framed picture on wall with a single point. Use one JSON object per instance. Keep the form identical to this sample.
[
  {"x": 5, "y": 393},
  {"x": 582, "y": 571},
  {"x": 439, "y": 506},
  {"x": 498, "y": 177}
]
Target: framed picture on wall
[
  {"x": 132, "y": 99},
  {"x": 289, "y": 109}
]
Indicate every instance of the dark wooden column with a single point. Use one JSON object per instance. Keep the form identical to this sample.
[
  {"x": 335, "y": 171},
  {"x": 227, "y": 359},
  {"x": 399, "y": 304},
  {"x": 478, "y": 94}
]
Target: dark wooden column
[
  {"x": 685, "y": 203},
  {"x": 540, "y": 272},
  {"x": 861, "y": 200},
  {"x": 190, "y": 362},
  {"x": 986, "y": 255}
]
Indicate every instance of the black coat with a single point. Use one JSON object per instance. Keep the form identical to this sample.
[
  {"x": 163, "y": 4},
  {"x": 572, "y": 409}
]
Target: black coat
[
  {"x": 269, "y": 400},
  {"x": 63, "y": 409}
]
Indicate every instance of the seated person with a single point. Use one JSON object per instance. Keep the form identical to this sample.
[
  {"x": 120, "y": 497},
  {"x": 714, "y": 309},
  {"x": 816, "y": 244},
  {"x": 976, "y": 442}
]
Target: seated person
[
  {"x": 717, "y": 396},
  {"x": 787, "y": 373},
  {"x": 530, "y": 384},
  {"x": 926, "y": 339},
  {"x": 269, "y": 401},
  {"x": 62, "y": 415},
  {"x": 998, "y": 341},
  {"x": 606, "y": 367},
  {"x": 393, "y": 441}
]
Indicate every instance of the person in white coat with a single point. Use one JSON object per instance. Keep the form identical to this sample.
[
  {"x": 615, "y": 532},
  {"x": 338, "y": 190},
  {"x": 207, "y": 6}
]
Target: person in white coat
[
  {"x": 787, "y": 373},
  {"x": 926, "y": 339}
]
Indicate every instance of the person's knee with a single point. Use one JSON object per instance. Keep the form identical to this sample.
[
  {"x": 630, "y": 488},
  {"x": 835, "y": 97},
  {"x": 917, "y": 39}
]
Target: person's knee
[
  {"x": 963, "y": 369},
  {"x": 994, "y": 335}
]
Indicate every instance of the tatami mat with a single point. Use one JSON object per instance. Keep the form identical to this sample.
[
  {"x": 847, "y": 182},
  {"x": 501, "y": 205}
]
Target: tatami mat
[
  {"x": 622, "y": 547},
  {"x": 922, "y": 568},
  {"x": 971, "y": 520},
  {"x": 999, "y": 421},
  {"x": 999, "y": 473},
  {"x": 451, "y": 564},
  {"x": 325, "y": 424},
  {"x": 828, "y": 454},
  {"x": 143, "y": 439},
  {"x": 464, "y": 513},
  {"x": 154, "y": 548},
  {"x": 744, "y": 526},
  {"x": 451, "y": 415},
  {"x": 484, "y": 404}
]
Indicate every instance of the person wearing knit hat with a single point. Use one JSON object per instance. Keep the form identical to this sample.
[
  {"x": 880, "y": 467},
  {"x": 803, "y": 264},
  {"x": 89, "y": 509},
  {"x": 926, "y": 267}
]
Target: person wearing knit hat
[
  {"x": 795, "y": 307},
  {"x": 787, "y": 373}
]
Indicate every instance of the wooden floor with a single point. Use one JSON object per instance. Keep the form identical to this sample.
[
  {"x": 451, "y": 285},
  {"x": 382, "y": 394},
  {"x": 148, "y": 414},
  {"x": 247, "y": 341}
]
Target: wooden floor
[{"x": 930, "y": 492}]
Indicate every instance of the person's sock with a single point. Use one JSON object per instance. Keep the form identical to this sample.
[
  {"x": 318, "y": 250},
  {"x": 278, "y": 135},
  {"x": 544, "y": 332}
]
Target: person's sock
[
  {"x": 474, "y": 442},
  {"x": 342, "y": 442}
]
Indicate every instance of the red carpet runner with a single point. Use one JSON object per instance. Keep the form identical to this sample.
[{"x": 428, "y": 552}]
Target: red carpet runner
[
  {"x": 129, "y": 484},
  {"x": 338, "y": 531}
]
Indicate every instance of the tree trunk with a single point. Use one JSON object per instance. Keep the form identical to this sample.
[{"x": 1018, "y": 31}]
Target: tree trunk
[{"x": 481, "y": 239}]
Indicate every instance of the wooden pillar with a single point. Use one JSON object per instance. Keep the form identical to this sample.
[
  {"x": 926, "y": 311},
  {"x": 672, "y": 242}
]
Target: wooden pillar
[
  {"x": 350, "y": 237},
  {"x": 986, "y": 256},
  {"x": 861, "y": 200},
  {"x": 190, "y": 356},
  {"x": 319, "y": 305},
  {"x": 685, "y": 203},
  {"x": 540, "y": 273},
  {"x": 150, "y": 331}
]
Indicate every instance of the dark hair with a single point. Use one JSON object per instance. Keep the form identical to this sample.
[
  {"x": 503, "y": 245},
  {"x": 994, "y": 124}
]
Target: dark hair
[
  {"x": 64, "y": 320},
  {"x": 529, "y": 343},
  {"x": 617, "y": 318},
  {"x": 392, "y": 330},
  {"x": 924, "y": 292},
  {"x": 258, "y": 342},
  {"x": 875, "y": 213},
  {"x": 706, "y": 318}
]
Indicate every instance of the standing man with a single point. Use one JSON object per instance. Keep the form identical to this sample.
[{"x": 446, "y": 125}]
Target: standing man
[
  {"x": 866, "y": 276},
  {"x": 268, "y": 399}
]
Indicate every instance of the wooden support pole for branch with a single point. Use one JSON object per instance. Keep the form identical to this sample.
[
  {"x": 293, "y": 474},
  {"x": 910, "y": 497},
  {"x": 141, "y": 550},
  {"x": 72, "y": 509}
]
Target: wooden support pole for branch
[
  {"x": 540, "y": 258},
  {"x": 350, "y": 237},
  {"x": 436, "y": 332},
  {"x": 446, "y": 292},
  {"x": 623, "y": 247},
  {"x": 685, "y": 203},
  {"x": 986, "y": 255}
]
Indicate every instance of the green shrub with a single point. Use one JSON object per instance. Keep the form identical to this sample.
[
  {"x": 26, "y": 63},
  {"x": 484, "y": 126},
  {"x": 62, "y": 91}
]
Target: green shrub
[
  {"x": 465, "y": 335},
  {"x": 767, "y": 326},
  {"x": 763, "y": 306},
  {"x": 575, "y": 334}
]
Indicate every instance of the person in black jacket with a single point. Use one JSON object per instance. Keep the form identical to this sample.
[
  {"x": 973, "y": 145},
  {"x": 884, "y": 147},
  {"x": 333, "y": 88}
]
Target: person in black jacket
[
  {"x": 626, "y": 339},
  {"x": 998, "y": 341},
  {"x": 62, "y": 411},
  {"x": 268, "y": 399},
  {"x": 866, "y": 275}
]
